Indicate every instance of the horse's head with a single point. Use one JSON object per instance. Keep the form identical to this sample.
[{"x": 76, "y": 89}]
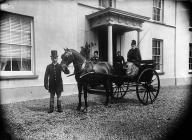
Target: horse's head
[{"x": 67, "y": 58}]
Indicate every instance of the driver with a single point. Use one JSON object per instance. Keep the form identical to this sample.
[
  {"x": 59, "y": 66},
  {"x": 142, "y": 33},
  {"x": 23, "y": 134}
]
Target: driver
[{"x": 133, "y": 60}]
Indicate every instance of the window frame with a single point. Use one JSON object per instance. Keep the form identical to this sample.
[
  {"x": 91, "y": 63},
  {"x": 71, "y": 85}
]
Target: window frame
[
  {"x": 161, "y": 63},
  {"x": 111, "y": 3},
  {"x": 190, "y": 58},
  {"x": 161, "y": 15},
  {"x": 31, "y": 72},
  {"x": 190, "y": 21}
]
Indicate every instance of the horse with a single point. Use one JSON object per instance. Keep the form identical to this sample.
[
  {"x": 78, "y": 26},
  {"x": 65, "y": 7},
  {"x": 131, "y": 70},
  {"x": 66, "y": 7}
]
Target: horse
[{"x": 83, "y": 67}]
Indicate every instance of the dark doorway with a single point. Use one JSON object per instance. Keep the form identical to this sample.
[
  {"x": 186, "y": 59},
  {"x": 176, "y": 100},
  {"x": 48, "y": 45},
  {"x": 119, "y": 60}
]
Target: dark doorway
[
  {"x": 103, "y": 45},
  {"x": 114, "y": 45}
]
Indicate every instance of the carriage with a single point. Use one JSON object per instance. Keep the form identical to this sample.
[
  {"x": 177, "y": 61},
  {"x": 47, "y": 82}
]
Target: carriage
[
  {"x": 116, "y": 83},
  {"x": 146, "y": 83}
]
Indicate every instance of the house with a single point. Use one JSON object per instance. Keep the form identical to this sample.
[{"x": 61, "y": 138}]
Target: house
[{"x": 29, "y": 30}]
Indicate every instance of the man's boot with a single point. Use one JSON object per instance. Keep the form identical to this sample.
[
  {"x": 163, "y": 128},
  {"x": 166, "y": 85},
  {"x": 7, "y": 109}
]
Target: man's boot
[
  {"x": 59, "y": 109},
  {"x": 51, "y": 107}
]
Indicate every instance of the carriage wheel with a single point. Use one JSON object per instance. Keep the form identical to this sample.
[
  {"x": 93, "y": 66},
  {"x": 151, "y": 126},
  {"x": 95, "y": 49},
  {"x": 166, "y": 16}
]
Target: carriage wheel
[
  {"x": 119, "y": 90},
  {"x": 148, "y": 85}
]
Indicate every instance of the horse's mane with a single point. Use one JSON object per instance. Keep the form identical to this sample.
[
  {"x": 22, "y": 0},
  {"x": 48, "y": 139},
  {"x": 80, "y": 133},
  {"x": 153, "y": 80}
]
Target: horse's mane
[{"x": 77, "y": 53}]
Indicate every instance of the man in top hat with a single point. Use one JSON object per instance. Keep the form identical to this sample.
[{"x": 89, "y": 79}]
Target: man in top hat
[
  {"x": 53, "y": 81},
  {"x": 133, "y": 60},
  {"x": 134, "y": 54}
]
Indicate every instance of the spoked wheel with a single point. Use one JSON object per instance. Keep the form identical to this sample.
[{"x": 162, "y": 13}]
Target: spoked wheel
[
  {"x": 119, "y": 90},
  {"x": 148, "y": 85}
]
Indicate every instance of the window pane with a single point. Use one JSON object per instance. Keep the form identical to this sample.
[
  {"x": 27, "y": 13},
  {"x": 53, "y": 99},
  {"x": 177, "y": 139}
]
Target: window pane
[
  {"x": 15, "y": 37},
  {"x": 158, "y": 51},
  {"x": 105, "y": 3},
  {"x": 4, "y": 36},
  {"x": 26, "y": 58},
  {"x": 154, "y": 51},
  {"x": 4, "y": 23},
  {"x": 190, "y": 56},
  {"x": 16, "y": 57},
  {"x": 26, "y": 39},
  {"x": 159, "y": 3},
  {"x": 5, "y": 61},
  {"x": 26, "y": 25}
]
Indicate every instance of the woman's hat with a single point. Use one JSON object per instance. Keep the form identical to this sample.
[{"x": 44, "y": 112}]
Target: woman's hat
[
  {"x": 133, "y": 42},
  {"x": 54, "y": 53}
]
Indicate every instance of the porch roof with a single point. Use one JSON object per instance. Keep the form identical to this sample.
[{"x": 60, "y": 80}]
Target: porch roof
[{"x": 123, "y": 20}]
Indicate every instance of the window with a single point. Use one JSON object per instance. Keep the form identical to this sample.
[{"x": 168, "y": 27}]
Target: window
[
  {"x": 157, "y": 47},
  {"x": 15, "y": 44},
  {"x": 190, "y": 57},
  {"x": 190, "y": 21},
  {"x": 107, "y": 3},
  {"x": 157, "y": 10}
]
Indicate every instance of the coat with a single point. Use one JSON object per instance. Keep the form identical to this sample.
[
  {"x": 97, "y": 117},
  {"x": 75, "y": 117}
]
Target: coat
[
  {"x": 52, "y": 79},
  {"x": 134, "y": 56}
]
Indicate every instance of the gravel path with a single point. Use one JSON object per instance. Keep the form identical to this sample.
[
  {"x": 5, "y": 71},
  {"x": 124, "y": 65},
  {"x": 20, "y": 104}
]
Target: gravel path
[{"x": 125, "y": 119}]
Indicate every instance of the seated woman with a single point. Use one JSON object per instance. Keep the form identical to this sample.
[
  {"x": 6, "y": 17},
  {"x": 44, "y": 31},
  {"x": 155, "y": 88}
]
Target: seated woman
[
  {"x": 133, "y": 60},
  {"x": 118, "y": 64}
]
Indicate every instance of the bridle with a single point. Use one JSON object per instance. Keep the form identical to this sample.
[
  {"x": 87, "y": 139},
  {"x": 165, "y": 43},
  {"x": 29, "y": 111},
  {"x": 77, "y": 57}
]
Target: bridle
[{"x": 82, "y": 64}]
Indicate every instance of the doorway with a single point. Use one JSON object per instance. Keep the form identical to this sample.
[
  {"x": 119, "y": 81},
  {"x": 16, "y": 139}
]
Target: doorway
[{"x": 103, "y": 44}]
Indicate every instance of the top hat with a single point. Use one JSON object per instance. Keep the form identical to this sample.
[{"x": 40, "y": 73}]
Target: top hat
[
  {"x": 54, "y": 53},
  {"x": 133, "y": 42}
]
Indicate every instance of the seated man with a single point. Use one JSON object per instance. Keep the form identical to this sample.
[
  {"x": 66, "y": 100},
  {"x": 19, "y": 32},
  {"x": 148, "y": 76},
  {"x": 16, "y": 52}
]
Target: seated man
[
  {"x": 133, "y": 60},
  {"x": 119, "y": 58},
  {"x": 119, "y": 63},
  {"x": 95, "y": 58}
]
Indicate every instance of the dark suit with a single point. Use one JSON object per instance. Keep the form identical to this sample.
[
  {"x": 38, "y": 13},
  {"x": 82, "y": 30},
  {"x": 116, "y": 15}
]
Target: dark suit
[
  {"x": 134, "y": 56},
  {"x": 52, "y": 79},
  {"x": 95, "y": 59}
]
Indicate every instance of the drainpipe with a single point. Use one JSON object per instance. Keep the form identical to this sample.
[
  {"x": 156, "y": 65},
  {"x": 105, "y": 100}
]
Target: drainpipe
[{"x": 175, "y": 72}]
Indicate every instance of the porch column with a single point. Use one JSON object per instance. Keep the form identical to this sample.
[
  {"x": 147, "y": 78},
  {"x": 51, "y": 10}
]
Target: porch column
[
  {"x": 138, "y": 38},
  {"x": 110, "y": 45}
]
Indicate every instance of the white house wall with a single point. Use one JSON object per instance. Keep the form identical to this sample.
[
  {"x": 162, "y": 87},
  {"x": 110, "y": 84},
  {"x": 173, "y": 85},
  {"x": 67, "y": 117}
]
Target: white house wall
[
  {"x": 84, "y": 33},
  {"x": 54, "y": 28},
  {"x": 183, "y": 38}
]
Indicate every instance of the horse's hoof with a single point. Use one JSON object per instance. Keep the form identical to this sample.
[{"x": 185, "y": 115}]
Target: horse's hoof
[{"x": 85, "y": 110}]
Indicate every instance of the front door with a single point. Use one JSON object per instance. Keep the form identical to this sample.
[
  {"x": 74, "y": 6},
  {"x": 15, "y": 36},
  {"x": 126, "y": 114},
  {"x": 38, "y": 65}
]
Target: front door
[{"x": 103, "y": 45}]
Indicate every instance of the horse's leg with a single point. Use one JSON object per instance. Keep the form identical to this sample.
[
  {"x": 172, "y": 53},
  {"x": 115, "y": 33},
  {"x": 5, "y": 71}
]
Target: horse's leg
[
  {"x": 107, "y": 92},
  {"x": 85, "y": 96},
  {"x": 79, "y": 95},
  {"x": 108, "y": 87}
]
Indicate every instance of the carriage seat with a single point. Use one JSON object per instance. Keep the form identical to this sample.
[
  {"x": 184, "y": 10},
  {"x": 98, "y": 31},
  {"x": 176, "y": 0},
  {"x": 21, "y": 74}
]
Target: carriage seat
[{"x": 147, "y": 64}]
